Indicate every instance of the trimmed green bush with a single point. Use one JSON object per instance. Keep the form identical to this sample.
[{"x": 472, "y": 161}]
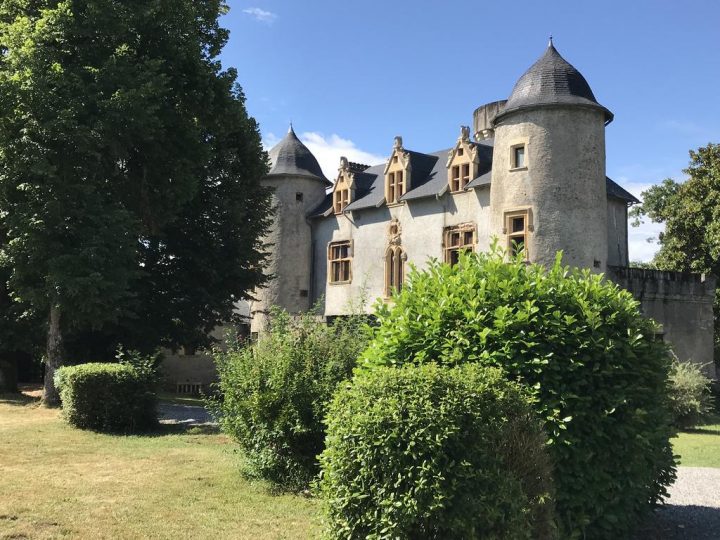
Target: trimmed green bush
[
  {"x": 434, "y": 452},
  {"x": 116, "y": 398},
  {"x": 690, "y": 395},
  {"x": 274, "y": 393},
  {"x": 580, "y": 344}
]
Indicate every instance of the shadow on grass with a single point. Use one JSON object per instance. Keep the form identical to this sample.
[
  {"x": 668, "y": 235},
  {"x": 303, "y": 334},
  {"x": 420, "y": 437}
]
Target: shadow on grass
[
  {"x": 19, "y": 399},
  {"x": 701, "y": 431},
  {"x": 681, "y": 522}
]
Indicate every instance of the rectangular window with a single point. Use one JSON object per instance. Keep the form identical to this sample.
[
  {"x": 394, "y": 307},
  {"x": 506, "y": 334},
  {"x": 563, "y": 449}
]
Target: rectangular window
[
  {"x": 457, "y": 239},
  {"x": 400, "y": 184},
  {"x": 465, "y": 176},
  {"x": 517, "y": 225},
  {"x": 518, "y": 157},
  {"x": 342, "y": 198},
  {"x": 340, "y": 262},
  {"x": 455, "y": 179},
  {"x": 391, "y": 188}
]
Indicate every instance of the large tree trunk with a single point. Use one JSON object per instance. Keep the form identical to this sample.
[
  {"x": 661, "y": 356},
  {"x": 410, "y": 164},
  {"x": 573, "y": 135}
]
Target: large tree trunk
[
  {"x": 54, "y": 359},
  {"x": 8, "y": 376}
]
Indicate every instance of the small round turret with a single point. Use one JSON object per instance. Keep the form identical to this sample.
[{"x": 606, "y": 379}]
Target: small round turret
[
  {"x": 548, "y": 177},
  {"x": 298, "y": 185}
]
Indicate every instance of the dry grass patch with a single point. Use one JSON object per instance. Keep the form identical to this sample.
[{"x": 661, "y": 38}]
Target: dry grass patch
[{"x": 61, "y": 482}]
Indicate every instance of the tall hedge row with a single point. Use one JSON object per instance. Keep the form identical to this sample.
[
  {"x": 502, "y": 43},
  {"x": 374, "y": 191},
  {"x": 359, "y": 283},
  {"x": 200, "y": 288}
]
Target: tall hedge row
[{"x": 582, "y": 347}]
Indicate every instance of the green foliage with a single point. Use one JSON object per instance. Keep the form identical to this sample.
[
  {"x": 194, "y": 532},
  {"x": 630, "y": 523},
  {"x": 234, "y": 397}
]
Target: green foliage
[
  {"x": 582, "y": 347},
  {"x": 434, "y": 452},
  {"x": 130, "y": 196},
  {"x": 690, "y": 396},
  {"x": 691, "y": 213},
  {"x": 274, "y": 393},
  {"x": 117, "y": 398}
]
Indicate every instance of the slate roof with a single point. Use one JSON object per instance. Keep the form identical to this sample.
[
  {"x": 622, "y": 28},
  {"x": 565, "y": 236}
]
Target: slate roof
[
  {"x": 551, "y": 80},
  {"x": 616, "y": 190},
  {"x": 290, "y": 156},
  {"x": 370, "y": 185}
]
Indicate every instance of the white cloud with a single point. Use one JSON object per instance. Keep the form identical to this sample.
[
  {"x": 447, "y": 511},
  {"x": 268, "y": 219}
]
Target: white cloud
[
  {"x": 261, "y": 15},
  {"x": 328, "y": 151}
]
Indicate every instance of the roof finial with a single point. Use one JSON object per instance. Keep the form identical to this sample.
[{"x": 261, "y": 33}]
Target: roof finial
[
  {"x": 291, "y": 128},
  {"x": 550, "y": 43}
]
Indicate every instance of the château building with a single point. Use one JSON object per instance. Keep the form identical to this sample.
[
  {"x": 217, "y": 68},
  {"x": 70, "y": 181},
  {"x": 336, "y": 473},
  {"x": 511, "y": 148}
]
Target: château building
[{"x": 530, "y": 172}]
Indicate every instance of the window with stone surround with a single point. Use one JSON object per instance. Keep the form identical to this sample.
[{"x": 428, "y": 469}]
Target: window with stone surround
[
  {"x": 394, "y": 270},
  {"x": 518, "y": 156},
  {"x": 340, "y": 262},
  {"x": 457, "y": 239},
  {"x": 463, "y": 162},
  {"x": 517, "y": 228},
  {"x": 341, "y": 198}
]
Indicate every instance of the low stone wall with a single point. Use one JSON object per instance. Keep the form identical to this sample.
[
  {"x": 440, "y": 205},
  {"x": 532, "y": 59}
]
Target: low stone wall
[
  {"x": 188, "y": 369},
  {"x": 681, "y": 302}
]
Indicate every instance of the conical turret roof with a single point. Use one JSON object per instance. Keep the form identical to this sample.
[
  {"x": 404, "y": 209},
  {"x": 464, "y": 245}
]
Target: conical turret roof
[
  {"x": 291, "y": 157},
  {"x": 552, "y": 81}
]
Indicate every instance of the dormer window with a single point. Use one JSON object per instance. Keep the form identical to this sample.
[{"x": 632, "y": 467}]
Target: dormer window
[
  {"x": 463, "y": 162},
  {"x": 397, "y": 173},
  {"x": 341, "y": 199},
  {"x": 345, "y": 184}
]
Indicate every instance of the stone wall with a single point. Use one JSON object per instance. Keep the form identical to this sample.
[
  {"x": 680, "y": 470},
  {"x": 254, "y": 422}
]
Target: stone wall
[
  {"x": 421, "y": 223},
  {"x": 187, "y": 369},
  {"x": 681, "y": 302}
]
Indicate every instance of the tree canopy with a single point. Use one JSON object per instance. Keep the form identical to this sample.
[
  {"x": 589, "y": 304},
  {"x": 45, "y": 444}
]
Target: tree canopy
[
  {"x": 690, "y": 211},
  {"x": 130, "y": 198}
]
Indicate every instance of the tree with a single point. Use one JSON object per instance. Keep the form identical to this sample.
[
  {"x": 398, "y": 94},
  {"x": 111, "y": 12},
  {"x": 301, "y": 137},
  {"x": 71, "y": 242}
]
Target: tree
[
  {"x": 691, "y": 213},
  {"x": 129, "y": 171}
]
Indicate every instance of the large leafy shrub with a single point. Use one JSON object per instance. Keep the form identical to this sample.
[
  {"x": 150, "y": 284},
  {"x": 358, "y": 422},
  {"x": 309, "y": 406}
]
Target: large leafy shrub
[
  {"x": 690, "y": 395},
  {"x": 582, "y": 347},
  {"x": 109, "y": 397},
  {"x": 435, "y": 452},
  {"x": 274, "y": 393}
]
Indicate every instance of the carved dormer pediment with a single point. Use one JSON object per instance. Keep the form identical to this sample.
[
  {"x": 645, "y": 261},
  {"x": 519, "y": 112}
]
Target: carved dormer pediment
[
  {"x": 398, "y": 173},
  {"x": 344, "y": 189},
  {"x": 463, "y": 162}
]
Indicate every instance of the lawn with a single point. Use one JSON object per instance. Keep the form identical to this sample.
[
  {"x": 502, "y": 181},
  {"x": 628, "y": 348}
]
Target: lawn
[
  {"x": 61, "y": 482},
  {"x": 699, "y": 447}
]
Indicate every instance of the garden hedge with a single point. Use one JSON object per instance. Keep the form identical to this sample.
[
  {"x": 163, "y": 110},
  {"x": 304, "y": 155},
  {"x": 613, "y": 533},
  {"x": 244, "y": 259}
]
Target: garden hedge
[
  {"x": 433, "y": 452},
  {"x": 274, "y": 393},
  {"x": 118, "y": 398},
  {"x": 580, "y": 344}
]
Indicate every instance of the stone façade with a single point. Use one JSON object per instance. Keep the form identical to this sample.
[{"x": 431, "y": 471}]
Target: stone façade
[{"x": 534, "y": 173}]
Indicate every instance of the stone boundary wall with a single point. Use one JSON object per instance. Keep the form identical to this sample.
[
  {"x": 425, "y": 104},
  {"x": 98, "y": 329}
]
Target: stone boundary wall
[{"x": 681, "y": 302}]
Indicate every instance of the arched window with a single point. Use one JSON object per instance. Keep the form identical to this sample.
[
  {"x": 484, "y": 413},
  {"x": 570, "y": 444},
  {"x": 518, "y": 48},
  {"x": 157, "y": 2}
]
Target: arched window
[{"x": 394, "y": 270}]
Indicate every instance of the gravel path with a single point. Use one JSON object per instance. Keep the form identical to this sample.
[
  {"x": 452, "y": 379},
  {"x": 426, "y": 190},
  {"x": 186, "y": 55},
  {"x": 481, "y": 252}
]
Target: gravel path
[
  {"x": 190, "y": 415},
  {"x": 692, "y": 511}
]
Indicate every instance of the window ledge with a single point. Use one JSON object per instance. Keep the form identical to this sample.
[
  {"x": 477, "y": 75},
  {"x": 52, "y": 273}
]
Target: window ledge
[
  {"x": 340, "y": 282},
  {"x": 513, "y": 169},
  {"x": 398, "y": 203}
]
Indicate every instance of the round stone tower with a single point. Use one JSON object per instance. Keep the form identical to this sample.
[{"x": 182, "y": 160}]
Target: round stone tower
[
  {"x": 298, "y": 185},
  {"x": 548, "y": 174}
]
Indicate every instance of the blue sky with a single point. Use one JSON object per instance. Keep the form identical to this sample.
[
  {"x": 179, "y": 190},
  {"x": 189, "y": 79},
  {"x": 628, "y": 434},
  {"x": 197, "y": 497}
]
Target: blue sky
[{"x": 352, "y": 75}]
